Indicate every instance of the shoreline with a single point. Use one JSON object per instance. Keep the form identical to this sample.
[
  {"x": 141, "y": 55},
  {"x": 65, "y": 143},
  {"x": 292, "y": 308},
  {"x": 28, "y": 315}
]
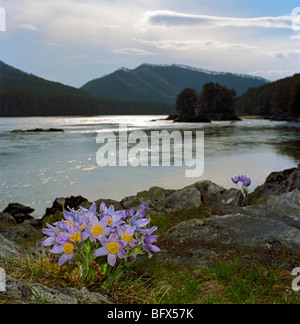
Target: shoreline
[
  {"x": 200, "y": 227},
  {"x": 166, "y": 201}
]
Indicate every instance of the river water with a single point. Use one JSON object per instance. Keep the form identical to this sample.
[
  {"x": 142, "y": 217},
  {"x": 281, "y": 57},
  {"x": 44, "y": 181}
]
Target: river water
[{"x": 35, "y": 168}]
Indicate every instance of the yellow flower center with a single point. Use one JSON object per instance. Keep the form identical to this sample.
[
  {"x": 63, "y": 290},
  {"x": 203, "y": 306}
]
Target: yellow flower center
[
  {"x": 110, "y": 220},
  {"x": 82, "y": 226},
  {"x": 75, "y": 237},
  {"x": 69, "y": 248},
  {"x": 113, "y": 248},
  {"x": 70, "y": 224},
  {"x": 98, "y": 230},
  {"x": 127, "y": 238}
]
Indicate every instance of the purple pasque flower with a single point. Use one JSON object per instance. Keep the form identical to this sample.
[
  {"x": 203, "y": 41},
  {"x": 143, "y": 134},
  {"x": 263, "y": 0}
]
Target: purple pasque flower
[
  {"x": 66, "y": 246},
  {"x": 149, "y": 239},
  {"x": 52, "y": 232},
  {"x": 97, "y": 229},
  {"x": 236, "y": 180},
  {"x": 130, "y": 212},
  {"x": 126, "y": 233},
  {"x": 137, "y": 222},
  {"x": 77, "y": 235},
  {"x": 143, "y": 210},
  {"x": 115, "y": 218},
  {"x": 143, "y": 206},
  {"x": 71, "y": 217},
  {"x": 61, "y": 201},
  {"x": 112, "y": 247},
  {"x": 80, "y": 217},
  {"x": 242, "y": 178},
  {"x": 246, "y": 182},
  {"x": 106, "y": 211}
]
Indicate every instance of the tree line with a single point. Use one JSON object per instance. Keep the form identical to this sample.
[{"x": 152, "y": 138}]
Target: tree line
[
  {"x": 22, "y": 103},
  {"x": 277, "y": 100},
  {"x": 215, "y": 102}
]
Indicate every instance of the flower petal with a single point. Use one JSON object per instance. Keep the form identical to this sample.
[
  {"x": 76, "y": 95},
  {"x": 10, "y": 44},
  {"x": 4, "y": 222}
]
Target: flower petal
[
  {"x": 49, "y": 241},
  {"x": 101, "y": 252},
  {"x": 63, "y": 259},
  {"x": 121, "y": 253},
  {"x": 57, "y": 249},
  {"x": 112, "y": 258}
]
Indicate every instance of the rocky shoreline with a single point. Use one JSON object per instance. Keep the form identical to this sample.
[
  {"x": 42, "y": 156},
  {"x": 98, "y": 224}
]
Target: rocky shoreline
[
  {"x": 267, "y": 220},
  {"x": 204, "y": 118}
]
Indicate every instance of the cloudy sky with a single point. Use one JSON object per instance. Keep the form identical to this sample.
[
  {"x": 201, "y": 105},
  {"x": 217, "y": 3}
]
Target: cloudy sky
[{"x": 74, "y": 41}]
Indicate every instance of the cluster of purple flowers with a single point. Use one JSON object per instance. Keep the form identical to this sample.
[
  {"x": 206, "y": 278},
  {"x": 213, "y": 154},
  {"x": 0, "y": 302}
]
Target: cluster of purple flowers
[
  {"x": 246, "y": 182},
  {"x": 111, "y": 233}
]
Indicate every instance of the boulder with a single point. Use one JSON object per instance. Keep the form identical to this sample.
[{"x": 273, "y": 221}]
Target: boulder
[
  {"x": 26, "y": 293},
  {"x": 151, "y": 197},
  {"x": 19, "y": 212},
  {"x": 16, "y": 208},
  {"x": 166, "y": 201},
  {"x": 276, "y": 184},
  {"x": 9, "y": 249},
  {"x": 258, "y": 226},
  {"x": 22, "y": 232},
  {"x": 7, "y": 220},
  {"x": 187, "y": 198}
]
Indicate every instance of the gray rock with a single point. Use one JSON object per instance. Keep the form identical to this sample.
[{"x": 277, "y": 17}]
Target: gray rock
[
  {"x": 231, "y": 197},
  {"x": 151, "y": 197},
  {"x": 293, "y": 196},
  {"x": 256, "y": 227},
  {"x": 209, "y": 190},
  {"x": 187, "y": 198},
  {"x": 19, "y": 212},
  {"x": 7, "y": 220},
  {"x": 283, "y": 206},
  {"x": 16, "y": 208},
  {"x": 277, "y": 184},
  {"x": 9, "y": 249},
  {"x": 20, "y": 232},
  {"x": 25, "y": 293}
]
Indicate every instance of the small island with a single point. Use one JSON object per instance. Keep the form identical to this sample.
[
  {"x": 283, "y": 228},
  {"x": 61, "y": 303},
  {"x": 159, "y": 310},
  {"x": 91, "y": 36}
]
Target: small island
[
  {"x": 39, "y": 130},
  {"x": 215, "y": 102}
]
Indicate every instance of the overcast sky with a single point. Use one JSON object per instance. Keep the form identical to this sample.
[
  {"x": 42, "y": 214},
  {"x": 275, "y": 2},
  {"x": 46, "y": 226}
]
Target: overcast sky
[{"x": 75, "y": 41}]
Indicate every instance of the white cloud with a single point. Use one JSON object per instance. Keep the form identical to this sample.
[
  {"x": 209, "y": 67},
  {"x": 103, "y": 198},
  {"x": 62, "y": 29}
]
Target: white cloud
[
  {"x": 28, "y": 27},
  {"x": 132, "y": 51},
  {"x": 273, "y": 74},
  {"x": 167, "y": 18},
  {"x": 185, "y": 45},
  {"x": 181, "y": 45},
  {"x": 285, "y": 54}
]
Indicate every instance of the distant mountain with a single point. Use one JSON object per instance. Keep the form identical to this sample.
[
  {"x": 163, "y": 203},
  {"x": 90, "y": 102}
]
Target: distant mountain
[
  {"x": 23, "y": 94},
  {"x": 279, "y": 100},
  {"x": 163, "y": 83},
  {"x": 12, "y": 79}
]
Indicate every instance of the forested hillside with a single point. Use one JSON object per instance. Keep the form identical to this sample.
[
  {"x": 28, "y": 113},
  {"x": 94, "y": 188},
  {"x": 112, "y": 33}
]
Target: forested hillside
[
  {"x": 23, "y": 94},
  {"x": 163, "y": 83},
  {"x": 279, "y": 100}
]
